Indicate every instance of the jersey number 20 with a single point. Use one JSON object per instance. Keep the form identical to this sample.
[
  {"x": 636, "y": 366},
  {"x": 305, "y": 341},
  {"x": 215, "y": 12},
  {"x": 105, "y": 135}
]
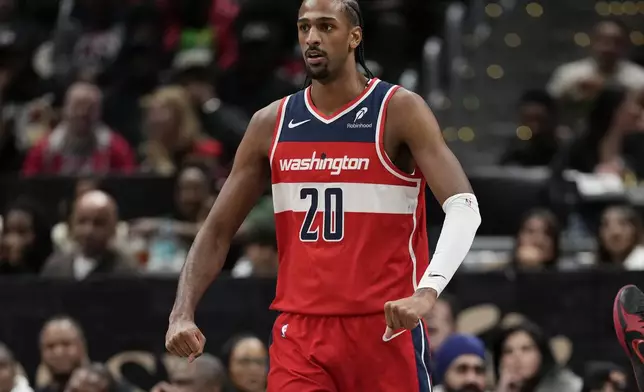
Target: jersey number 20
[{"x": 332, "y": 219}]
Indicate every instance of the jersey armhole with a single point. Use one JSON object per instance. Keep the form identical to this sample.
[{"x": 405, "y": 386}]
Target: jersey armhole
[
  {"x": 279, "y": 122},
  {"x": 380, "y": 141}
]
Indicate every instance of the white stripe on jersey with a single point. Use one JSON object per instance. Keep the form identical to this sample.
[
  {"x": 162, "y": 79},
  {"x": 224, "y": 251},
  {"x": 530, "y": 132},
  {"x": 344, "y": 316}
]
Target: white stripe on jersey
[{"x": 367, "y": 198}]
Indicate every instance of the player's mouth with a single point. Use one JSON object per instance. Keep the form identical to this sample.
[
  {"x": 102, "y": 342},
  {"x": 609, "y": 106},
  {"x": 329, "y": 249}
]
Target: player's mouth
[{"x": 313, "y": 57}]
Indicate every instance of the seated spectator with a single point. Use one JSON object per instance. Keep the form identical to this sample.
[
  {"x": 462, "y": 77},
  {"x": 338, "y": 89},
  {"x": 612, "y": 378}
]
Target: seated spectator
[
  {"x": 61, "y": 235},
  {"x": 536, "y": 246},
  {"x": 604, "y": 377},
  {"x": 537, "y": 242},
  {"x": 10, "y": 379},
  {"x": 460, "y": 365},
  {"x": 523, "y": 361},
  {"x": 93, "y": 226},
  {"x": 80, "y": 144},
  {"x": 204, "y": 374},
  {"x": 441, "y": 323},
  {"x": 92, "y": 378},
  {"x": 25, "y": 241},
  {"x": 246, "y": 360},
  {"x": 607, "y": 66},
  {"x": 620, "y": 239},
  {"x": 613, "y": 140},
  {"x": 169, "y": 238},
  {"x": 223, "y": 122},
  {"x": 174, "y": 135},
  {"x": 537, "y": 111},
  {"x": 88, "y": 41},
  {"x": 259, "y": 255},
  {"x": 63, "y": 349}
]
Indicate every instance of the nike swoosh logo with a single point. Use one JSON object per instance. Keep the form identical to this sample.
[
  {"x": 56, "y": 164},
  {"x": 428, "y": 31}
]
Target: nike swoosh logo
[{"x": 294, "y": 125}]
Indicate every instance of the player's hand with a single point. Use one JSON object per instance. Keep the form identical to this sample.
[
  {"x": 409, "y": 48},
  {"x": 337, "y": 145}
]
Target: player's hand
[
  {"x": 406, "y": 313},
  {"x": 184, "y": 339}
]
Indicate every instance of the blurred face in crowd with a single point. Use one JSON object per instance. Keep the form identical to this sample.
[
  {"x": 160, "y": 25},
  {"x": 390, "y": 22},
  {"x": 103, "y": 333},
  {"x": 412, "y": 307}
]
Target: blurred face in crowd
[
  {"x": 248, "y": 365},
  {"x": 192, "y": 193},
  {"x": 17, "y": 236},
  {"x": 521, "y": 355},
  {"x": 163, "y": 122},
  {"x": 617, "y": 233},
  {"x": 534, "y": 237},
  {"x": 440, "y": 323},
  {"x": 93, "y": 223},
  {"x": 325, "y": 35},
  {"x": 195, "y": 377},
  {"x": 82, "y": 109},
  {"x": 7, "y": 370},
  {"x": 465, "y": 374},
  {"x": 264, "y": 259},
  {"x": 86, "y": 380},
  {"x": 61, "y": 347},
  {"x": 536, "y": 117},
  {"x": 609, "y": 44}
]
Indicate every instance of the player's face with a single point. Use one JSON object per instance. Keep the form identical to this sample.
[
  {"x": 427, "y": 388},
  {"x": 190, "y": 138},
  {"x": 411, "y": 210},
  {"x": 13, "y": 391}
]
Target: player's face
[{"x": 326, "y": 38}]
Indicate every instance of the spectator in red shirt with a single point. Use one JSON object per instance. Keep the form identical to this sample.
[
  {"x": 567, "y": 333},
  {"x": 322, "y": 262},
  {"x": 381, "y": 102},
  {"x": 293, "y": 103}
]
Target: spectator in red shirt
[
  {"x": 174, "y": 136},
  {"x": 81, "y": 143}
]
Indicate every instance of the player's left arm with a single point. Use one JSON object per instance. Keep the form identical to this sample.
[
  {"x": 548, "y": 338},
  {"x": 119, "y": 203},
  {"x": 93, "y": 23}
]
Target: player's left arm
[{"x": 414, "y": 125}]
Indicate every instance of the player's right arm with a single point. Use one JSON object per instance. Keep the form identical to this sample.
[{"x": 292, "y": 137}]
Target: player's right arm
[{"x": 242, "y": 189}]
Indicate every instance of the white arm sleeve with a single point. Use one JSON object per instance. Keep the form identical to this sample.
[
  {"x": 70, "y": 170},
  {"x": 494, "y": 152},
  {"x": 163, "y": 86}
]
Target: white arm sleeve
[{"x": 462, "y": 219}]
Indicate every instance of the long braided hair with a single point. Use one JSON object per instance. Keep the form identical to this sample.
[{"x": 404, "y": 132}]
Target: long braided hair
[{"x": 352, "y": 9}]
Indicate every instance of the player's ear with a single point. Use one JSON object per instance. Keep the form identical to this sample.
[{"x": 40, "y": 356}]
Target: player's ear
[{"x": 356, "y": 37}]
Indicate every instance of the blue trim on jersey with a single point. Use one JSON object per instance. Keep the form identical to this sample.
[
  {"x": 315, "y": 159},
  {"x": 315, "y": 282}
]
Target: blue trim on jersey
[
  {"x": 357, "y": 125},
  {"x": 421, "y": 348}
]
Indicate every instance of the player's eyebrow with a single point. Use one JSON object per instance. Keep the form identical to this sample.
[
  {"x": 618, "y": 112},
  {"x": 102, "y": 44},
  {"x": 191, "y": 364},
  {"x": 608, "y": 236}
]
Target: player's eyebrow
[{"x": 320, "y": 19}]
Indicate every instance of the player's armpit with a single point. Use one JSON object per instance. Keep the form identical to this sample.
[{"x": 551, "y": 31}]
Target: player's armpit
[
  {"x": 245, "y": 184},
  {"x": 415, "y": 125}
]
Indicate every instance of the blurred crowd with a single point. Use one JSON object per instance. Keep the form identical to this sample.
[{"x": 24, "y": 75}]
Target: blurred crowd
[
  {"x": 92, "y": 88},
  {"x": 66, "y": 366}
]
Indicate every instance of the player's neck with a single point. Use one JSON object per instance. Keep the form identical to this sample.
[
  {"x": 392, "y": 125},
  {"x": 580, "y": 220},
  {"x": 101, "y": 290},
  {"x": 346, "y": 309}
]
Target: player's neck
[{"x": 331, "y": 96}]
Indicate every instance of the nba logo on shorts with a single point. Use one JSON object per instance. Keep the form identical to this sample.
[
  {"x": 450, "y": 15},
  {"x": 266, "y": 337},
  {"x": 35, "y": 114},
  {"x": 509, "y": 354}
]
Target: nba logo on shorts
[
  {"x": 284, "y": 328},
  {"x": 360, "y": 114}
]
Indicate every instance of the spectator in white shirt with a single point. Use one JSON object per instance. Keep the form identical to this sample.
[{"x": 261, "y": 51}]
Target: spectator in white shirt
[{"x": 607, "y": 66}]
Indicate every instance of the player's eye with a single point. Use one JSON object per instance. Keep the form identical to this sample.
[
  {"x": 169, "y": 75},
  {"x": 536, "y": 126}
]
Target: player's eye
[
  {"x": 304, "y": 28},
  {"x": 326, "y": 27}
]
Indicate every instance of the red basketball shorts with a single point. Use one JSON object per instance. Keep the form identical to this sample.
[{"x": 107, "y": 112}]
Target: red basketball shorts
[{"x": 346, "y": 354}]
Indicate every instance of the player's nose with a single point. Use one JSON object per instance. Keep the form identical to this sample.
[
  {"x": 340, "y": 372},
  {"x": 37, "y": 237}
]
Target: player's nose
[{"x": 313, "y": 39}]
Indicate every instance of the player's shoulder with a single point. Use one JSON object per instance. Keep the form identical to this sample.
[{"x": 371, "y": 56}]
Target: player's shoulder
[
  {"x": 404, "y": 100},
  {"x": 406, "y": 106},
  {"x": 269, "y": 114},
  {"x": 261, "y": 129}
]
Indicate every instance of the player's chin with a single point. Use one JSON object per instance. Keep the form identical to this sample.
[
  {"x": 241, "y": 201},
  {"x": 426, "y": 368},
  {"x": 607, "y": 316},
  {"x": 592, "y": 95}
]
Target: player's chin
[{"x": 318, "y": 72}]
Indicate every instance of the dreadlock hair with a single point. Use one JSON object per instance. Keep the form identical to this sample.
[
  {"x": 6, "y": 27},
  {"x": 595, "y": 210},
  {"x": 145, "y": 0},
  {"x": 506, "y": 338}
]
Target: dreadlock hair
[{"x": 352, "y": 9}]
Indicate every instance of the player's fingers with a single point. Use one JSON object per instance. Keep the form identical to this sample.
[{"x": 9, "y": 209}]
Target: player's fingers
[
  {"x": 388, "y": 314},
  {"x": 397, "y": 322},
  {"x": 185, "y": 347},
  {"x": 192, "y": 341},
  {"x": 389, "y": 333},
  {"x": 202, "y": 339}
]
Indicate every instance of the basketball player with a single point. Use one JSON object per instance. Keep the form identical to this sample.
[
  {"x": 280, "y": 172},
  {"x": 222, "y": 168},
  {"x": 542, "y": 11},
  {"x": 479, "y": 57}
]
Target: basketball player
[
  {"x": 349, "y": 158},
  {"x": 628, "y": 317}
]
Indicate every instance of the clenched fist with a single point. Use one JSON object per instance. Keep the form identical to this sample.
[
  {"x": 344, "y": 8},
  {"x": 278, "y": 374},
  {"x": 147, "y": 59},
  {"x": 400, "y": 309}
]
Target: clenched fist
[
  {"x": 406, "y": 313},
  {"x": 184, "y": 339}
]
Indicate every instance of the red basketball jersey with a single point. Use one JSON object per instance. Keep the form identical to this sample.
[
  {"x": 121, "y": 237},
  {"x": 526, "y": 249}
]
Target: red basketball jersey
[{"x": 351, "y": 230}]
